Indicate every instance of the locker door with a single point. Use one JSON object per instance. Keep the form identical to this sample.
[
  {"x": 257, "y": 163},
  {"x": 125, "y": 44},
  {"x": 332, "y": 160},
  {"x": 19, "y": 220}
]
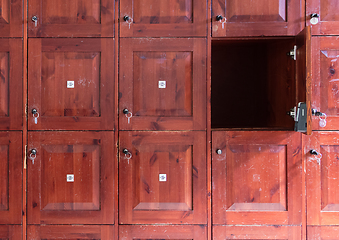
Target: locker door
[
  {"x": 322, "y": 178},
  {"x": 256, "y": 178},
  {"x": 71, "y": 84},
  {"x": 70, "y": 178},
  {"x": 10, "y": 178},
  {"x": 11, "y": 84},
  {"x": 71, "y": 18},
  {"x": 167, "y": 18},
  {"x": 328, "y": 20},
  {"x": 162, "y": 83},
  {"x": 256, "y": 18},
  {"x": 162, "y": 178},
  {"x": 10, "y": 232},
  {"x": 11, "y": 23},
  {"x": 325, "y": 86}
]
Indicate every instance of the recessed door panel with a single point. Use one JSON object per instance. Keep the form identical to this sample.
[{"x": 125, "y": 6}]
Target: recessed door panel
[
  {"x": 170, "y": 18},
  {"x": 11, "y": 23},
  {"x": 71, "y": 84},
  {"x": 143, "y": 232},
  {"x": 71, "y": 18},
  {"x": 70, "y": 178},
  {"x": 10, "y": 178},
  {"x": 10, "y": 232},
  {"x": 70, "y": 232},
  {"x": 252, "y": 177},
  {"x": 255, "y": 18},
  {"x": 162, "y": 177},
  {"x": 328, "y": 19},
  {"x": 162, "y": 84}
]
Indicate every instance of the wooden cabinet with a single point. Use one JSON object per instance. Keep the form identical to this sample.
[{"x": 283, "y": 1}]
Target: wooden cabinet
[
  {"x": 11, "y": 84},
  {"x": 70, "y": 178},
  {"x": 256, "y": 18},
  {"x": 256, "y": 178},
  {"x": 325, "y": 85},
  {"x": 36, "y": 232},
  {"x": 170, "y": 18},
  {"x": 328, "y": 18},
  {"x": 162, "y": 178},
  {"x": 71, "y": 84},
  {"x": 11, "y": 232},
  {"x": 162, "y": 84},
  {"x": 11, "y": 18},
  {"x": 71, "y": 18},
  {"x": 129, "y": 232},
  {"x": 10, "y": 178}
]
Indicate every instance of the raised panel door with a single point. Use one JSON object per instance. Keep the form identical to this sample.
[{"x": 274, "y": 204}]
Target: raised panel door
[
  {"x": 167, "y": 18},
  {"x": 11, "y": 15},
  {"x": 328, "y": 20},
  {"x": 11, "y": 178},
  {"x": 11, "y": 109},
  {"x": 162, "y": 178},
  {"x": 162, "y": 83},
  {"x": 71, "y": 18},
  {"x": 71, "y": 84},
  {"x": 256, "y": 18},
  {"x": 10, "y": 232},
  {"x": 144, "y": 232},
  {"x": 70, "y": 178},
  {"x": 256, "y": 178},
  {"x": 325, "y": 85},
  {"x": 69, "y": 232},
  {"x": 322, "y": 178}
]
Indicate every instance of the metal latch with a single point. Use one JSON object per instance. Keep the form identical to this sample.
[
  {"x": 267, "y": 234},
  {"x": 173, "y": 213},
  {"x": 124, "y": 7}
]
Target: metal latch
[
  {"x": 293, "y": 53},
  {"x": 299, "y": 114}
]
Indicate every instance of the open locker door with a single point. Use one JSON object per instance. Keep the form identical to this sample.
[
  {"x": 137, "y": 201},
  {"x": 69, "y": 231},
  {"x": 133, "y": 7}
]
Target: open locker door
[{"x": 303, "y": 110}]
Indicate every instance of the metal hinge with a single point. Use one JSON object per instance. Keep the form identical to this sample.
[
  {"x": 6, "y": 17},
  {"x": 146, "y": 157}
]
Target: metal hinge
[
  {"x": 25, "y": 157},
  {"x": 293, "y": 53}
]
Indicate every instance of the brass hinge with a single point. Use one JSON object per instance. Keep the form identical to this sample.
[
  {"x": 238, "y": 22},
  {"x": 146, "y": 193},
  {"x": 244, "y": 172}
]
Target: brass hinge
[{"x": 25, "y": 157}]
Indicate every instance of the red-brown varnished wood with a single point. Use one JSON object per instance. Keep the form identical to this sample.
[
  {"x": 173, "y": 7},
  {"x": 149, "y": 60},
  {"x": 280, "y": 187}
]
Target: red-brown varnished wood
[
  {"x": 322, "y": 178},
  {"x": 89, "y": 198},
  {"x": 11, "y": 232},
  {"x": 180, "y": 197},
  {"x": 325, "y": 84},
  {"x": 11, "y": 18},
  {"x": 328, "y": 16},
  {"x": 257, "y": 178},
  {"x": 257, "y": 232},
  {"x": 71, "y": 18},
  {"x": 256, "y": 18},
  {"x": 36, "y": 232},
  {"x": 178, "y": 232},
  {"x": 11, "y": 84},
  {"x": 144, "y": 65},
  {"x": 10, "y": 178},
  {"x": 89, "y": 63},
  {"x": 170, "y": 18},
  {"x": 322, "y": 232}
]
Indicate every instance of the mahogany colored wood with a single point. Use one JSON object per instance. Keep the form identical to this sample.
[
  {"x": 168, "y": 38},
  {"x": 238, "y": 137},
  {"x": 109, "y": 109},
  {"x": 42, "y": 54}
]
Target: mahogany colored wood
[
  {"x": 11, "y": 18},
  {"x": 11, "y": 84},
  {"x": 11, "y": 232},
  {"x": 179, "y": 232},
  {"x": 163, "y": 178},
  {"x": 53, "y": 196},
  {"x": 322, "y": 178},
  {"x": 257, "y": 232},
  {"x": 256, "y": 18},
  {"x": 257, "y": 178},
  {"x": 104, "y": 232},
  {"x": 328, "y": 16},
  {"x": 71, "y": 18},
  {"x": 171, "y": 18},
  {"x": 163, "y": 84},
  {"x": 85, "y": 63},
  {"x": 322, "y": 232},
  {"x": 10, "y": 178},
  {"x": 325, "y": 87}
]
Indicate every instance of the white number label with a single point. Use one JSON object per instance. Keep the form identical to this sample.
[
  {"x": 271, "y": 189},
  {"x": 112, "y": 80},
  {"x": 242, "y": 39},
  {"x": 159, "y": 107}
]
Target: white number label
[
  {"x": 70, "y": 84},
  {"x": 70, "y": 177},
  {"x": 162, "y": 178},
  {"x": 162, "y": 84}
]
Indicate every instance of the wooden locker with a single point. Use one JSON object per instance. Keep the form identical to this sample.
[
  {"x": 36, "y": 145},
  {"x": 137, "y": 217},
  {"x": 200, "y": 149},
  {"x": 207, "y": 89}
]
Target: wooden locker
[
  {"x": 71, "y": 18},
  {"x": 162, "y": 178},
  {"x": 162, "y": 83},
  {"x": 170, "y": 18},
  {"x": 256, "y": 178},
  {"x": 70, "y": 178},
  {"x": 71, "y": 84}
]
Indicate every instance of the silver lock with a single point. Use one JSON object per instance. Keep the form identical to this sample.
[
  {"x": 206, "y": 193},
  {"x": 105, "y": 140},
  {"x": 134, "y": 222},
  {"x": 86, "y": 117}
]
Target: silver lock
[{"x": 219, "y": 151}]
